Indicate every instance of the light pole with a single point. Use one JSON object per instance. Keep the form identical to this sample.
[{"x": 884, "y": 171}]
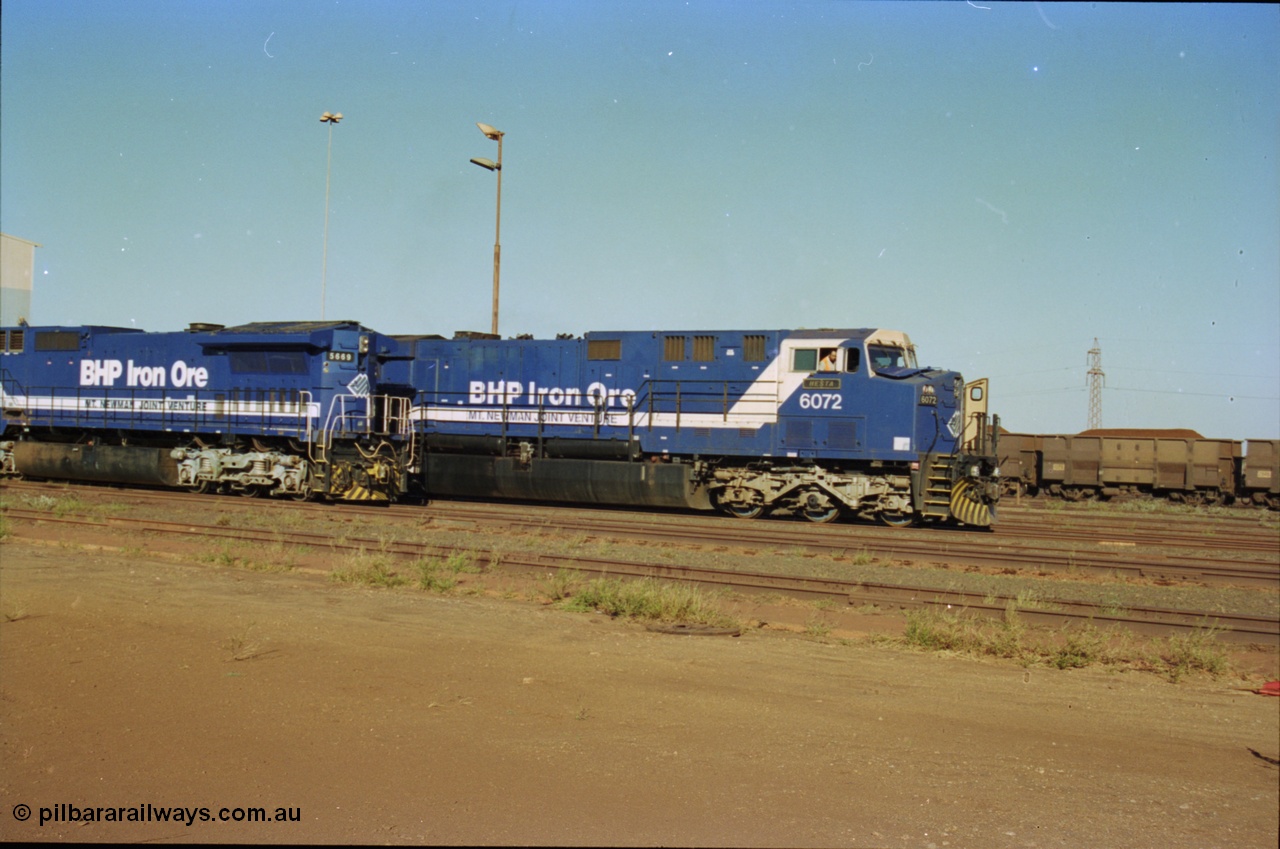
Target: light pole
[
  {"x": 495, "y": 135},
  {"x": 329, "y": 118}
]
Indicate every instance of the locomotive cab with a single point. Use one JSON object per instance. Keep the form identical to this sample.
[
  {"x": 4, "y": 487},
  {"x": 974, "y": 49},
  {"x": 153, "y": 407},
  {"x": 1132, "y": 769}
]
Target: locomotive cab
[{"x": 858, "y": 403}]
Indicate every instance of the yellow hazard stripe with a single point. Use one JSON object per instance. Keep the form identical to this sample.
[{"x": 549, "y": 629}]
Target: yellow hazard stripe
[
  {"x": 965, "y": 508},
  {"x": 362, "y": 493}
]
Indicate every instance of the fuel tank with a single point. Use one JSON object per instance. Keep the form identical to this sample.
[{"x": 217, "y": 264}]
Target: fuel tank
[
  {"x": 577, "y": 480},
  {"x": 107, "y": 463}
]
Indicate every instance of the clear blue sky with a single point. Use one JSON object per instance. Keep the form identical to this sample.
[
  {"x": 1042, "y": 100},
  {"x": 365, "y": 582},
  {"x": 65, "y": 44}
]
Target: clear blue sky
[{"x": 1003, "y": 181}]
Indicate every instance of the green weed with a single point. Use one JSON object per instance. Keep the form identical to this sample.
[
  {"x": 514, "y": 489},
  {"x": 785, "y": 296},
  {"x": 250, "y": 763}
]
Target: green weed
[
  {"x": 221, "y": 557},
  {"x": 647, "y": 599},
  {"x": 1080, "y": 647},
  {"x": 817, "y": 627},
  {"x": 863, "y": 558},
  {"x": 41, "y": 502},
  {"x": 437, "y": 575},
  {"x": 937, "y": 631},
  {"x": 433, "y": 576},
  {"x": 369, "y": 570},
  {"x": 559, "y": 584},
  {"x": 1198, "y": 651},
  {"x": 1070, "y": 647}
]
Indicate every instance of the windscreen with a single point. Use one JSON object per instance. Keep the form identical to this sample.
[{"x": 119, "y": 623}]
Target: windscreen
[{"x": 890, "y": 356}]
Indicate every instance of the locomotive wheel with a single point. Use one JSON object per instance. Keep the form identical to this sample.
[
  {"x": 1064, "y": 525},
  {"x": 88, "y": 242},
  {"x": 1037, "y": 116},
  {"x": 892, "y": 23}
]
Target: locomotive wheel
[
  {"x": 737, "y": 509},
  {"x": 817, "y": 508},
  {"x": 821, "y": 516},
  {"x": 894, "y": 519}
]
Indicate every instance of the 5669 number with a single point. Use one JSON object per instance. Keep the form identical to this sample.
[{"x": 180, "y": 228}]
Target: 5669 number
[{"x": 820, "y": 401}]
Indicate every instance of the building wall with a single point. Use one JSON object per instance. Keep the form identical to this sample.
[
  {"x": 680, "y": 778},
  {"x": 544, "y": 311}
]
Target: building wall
[{"x": 17, "y": 265}]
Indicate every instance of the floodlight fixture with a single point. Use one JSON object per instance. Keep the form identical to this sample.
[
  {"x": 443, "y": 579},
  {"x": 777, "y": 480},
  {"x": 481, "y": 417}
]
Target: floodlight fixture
[
  {"x": 329, "y": 118},
  {"x": 494, "y": 134}
]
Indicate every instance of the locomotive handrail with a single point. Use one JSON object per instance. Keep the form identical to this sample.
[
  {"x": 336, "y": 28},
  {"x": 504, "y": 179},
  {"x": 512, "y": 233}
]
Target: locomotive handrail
[
  {"x": 395, "y": 420},
  {"x": 7, "y": 380},
  {"x": 985, "y": 430},
  {"x": 692, "y": 397}
]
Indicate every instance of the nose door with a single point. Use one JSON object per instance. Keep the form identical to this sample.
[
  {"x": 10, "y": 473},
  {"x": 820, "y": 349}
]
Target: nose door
[{"x": 975, "y": 416}]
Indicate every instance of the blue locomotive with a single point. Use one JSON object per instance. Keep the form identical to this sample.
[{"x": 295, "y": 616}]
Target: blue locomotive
[
  {"x": 271, "y": 408},
  {"x": 815, "y": 423},
  {"x": 818, "y": 423}
]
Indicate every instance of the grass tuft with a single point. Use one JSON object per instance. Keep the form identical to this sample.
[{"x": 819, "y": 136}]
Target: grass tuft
[
  {"x": 817, "y": 627},
  {"x": 559, "y": 585},
  {"x": 242, "y": 646},
  {"x": 369, "y": 570},
  {"x": 1070, "y": 647},
  {"x": 436, "y": 575},
  {"x": 1198, "y": 651},
  {"x": 1080, "y": 647},
  {"x": 647, "y": 599},
  {"x": 433, "y": 576}
]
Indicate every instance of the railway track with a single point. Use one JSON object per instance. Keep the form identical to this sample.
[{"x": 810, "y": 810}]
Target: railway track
[
  {"x": 1116, "y": 552},
  {"x": 1248, "y": 530},
  {"x": 1237, "y": 627},
  {"x": 925, "y": 546}
]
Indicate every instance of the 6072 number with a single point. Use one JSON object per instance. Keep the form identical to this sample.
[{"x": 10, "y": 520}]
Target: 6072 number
[{"x": 820, "y": 401}]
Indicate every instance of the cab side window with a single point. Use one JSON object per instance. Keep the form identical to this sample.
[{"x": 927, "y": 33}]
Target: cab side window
[{"x": 826, "y": 359}]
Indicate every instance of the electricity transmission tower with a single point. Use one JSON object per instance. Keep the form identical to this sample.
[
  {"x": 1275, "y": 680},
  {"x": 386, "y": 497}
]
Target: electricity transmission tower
[{"x": 1097, "y": 378}]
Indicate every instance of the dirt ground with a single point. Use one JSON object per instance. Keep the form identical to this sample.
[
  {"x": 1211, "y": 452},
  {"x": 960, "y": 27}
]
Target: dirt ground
[{"x": 374, "y": 716}]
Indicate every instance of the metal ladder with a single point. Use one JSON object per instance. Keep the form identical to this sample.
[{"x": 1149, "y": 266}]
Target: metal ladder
[{"x": 937, "y": 492}]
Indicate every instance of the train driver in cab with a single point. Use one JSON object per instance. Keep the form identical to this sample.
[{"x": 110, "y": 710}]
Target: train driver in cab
[{"x": 830, "y": 359}]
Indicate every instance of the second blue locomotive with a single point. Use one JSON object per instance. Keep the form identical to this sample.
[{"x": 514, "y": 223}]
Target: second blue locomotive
[{"x": 275, "y": 408}]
